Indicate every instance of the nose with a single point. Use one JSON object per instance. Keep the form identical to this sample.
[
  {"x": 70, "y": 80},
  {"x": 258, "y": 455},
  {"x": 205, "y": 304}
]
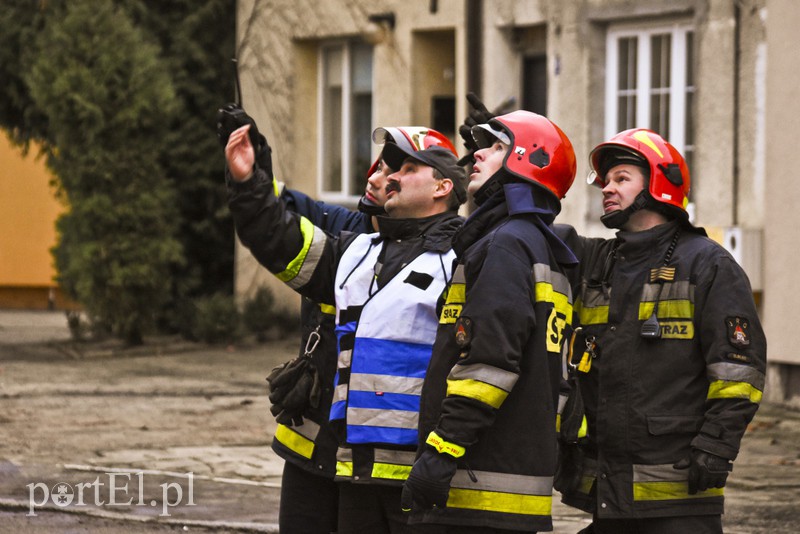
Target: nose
[
  {"x": 480, "y": 155},
  {"x": 608, "y": 188}
]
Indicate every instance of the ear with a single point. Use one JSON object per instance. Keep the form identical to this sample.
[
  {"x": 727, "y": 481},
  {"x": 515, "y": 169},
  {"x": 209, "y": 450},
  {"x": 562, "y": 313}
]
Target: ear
[{"x": 443, "y": 188}]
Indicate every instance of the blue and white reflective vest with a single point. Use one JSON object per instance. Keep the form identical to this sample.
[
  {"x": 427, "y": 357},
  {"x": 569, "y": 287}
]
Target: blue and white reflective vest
[{"x": 385, "y": 341}]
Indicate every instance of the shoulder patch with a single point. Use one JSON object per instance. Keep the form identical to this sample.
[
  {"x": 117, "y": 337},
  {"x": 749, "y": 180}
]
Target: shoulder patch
[
  {"x": 463, "y": 331},
  {"x": 738, "y": 331}
]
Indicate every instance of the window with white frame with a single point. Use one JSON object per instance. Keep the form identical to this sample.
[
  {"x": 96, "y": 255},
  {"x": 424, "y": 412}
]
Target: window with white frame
[
  {"x": 344, "y": 119},
  {"x": 650, "y": 82}
]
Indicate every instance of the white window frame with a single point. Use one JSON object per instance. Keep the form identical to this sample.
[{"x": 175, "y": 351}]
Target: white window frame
[
  {"x": 677, "y": 89},
  {"x": 344, "y": 196}
]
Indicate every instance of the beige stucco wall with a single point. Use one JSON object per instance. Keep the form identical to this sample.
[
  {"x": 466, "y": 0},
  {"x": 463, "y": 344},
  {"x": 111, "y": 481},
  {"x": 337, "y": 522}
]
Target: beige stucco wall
[
  {"x": 781, "y": 214},
  {"x": 754, "y": 191}
]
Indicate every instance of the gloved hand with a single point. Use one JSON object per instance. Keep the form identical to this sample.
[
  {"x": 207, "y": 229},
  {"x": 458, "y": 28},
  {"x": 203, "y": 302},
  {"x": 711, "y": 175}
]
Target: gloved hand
[
  {"x": 294, "y": 386},
  {"x": 429, "y": 482},
  {"x": 706, "y": 470},
  {"x": 231, "y": 117},
  {"x": 569, "y": 470},
  {"x": 477, "y": 115}
]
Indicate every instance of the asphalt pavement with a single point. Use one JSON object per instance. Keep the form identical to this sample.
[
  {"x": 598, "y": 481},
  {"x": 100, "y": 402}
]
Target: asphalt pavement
[{"x": 174, "y": 437}]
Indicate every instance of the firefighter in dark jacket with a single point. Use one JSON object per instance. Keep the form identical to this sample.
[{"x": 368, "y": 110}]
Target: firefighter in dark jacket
[
  {"x": 308, "y": 444},
  {"x": 671, "y": 355},
  {"x": 488, "y": 411},
  {"x": 385, "y": 287}
]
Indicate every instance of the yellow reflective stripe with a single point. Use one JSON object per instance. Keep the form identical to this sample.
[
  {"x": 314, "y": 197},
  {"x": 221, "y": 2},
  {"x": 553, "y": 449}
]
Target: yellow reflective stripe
[
  {"x": 667, "y": 491},
  {"x": 584, "y": 429},
  {"x": 327, "y": 309},
  {"x": 294, "y": 441},
  {"x": 390, "y": 471},
  {"x": 445, "y": 447},
  {"x": 667, "y": 309},
  {"x": 558, "y": 422},
  {"x": 585, "y": 486},
  {"x": 344, "y": 469},
  {"x": 480, "y": 391},
  {"x": 495, "y": 501},
  {"x": 277, "y": 187},
  {"x": 595, "y": 315},
  {"x": 309, "y": 232},
  {"x": 723, "y": 389},
  {"x": 457, "y": 293},
  {"x": 544, "y": 292}
]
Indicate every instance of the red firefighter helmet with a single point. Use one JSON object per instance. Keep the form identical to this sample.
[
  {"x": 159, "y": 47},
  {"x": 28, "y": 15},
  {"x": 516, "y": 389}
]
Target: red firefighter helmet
[
  {"x": 669, "y": 181},
  {"x": 539, "y": 151},
  {"x": 409, "y": 138}
]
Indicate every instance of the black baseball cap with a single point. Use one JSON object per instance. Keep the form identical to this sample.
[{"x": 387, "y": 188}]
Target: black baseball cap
[{"x": 441, "y": 159}]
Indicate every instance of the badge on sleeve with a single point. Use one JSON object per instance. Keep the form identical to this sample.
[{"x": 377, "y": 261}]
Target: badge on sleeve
[
  {"x": 463, "y": 331},
  {"x": 738, "y": 331}
]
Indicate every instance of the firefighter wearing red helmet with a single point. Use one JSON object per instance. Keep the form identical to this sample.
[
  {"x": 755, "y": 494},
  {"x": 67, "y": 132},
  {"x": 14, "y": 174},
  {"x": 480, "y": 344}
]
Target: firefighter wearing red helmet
[
  {"x": 670, "y": 359},
  {"x": 487, "y": 451}
]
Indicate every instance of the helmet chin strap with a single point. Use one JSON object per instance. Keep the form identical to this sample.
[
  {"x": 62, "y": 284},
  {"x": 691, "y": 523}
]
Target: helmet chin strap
[
  {"x": 491, "y": 187},
  {"x": 618, "y": 218},
  {"x": 368, "y": 207}
]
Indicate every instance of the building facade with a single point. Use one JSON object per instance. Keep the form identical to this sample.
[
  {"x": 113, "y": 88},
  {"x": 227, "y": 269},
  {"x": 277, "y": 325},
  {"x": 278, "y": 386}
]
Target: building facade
[
  {"x": 28, "y": 211},
  {"x": 715, "y": 77}
]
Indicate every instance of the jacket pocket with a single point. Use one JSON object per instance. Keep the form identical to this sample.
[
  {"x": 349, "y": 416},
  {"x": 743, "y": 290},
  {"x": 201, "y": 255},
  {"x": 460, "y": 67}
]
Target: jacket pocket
[{"x": 661, "y": 425}]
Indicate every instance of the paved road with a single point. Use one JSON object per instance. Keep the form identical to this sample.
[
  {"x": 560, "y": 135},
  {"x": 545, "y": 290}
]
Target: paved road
[{"x": 175, "y": 437}]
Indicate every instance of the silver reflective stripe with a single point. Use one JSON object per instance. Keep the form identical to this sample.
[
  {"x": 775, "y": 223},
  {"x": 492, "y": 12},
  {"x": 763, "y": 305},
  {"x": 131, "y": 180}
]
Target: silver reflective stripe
[
  {"x": 458, "y": 275},
  {"x": 734, "y": 372},
  {"x": 658, "y": 473},
  {"x": 339, "y": 393},
  {"x": 309, "y": 429},
  {"x": 500, "y": 378},
  {"x": 593, "y": 298},
  {"x": 387, "y": 418},
  {"x": 345, "y": 359},
  {"x": 385, "y": 384},
  {"x": 681, "y": 290},
  {"x": 505, "y": 482},
  {"x": 562, "y": 401},
  {"x": 543, "y": 273},
  {"x": 386, "y": 456},
  {"x": 310, "y": 261},
  {"x": 344, "y": 455}
]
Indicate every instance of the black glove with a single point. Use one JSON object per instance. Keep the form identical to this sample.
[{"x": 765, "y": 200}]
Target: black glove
[
  {"x": 706, "y": 470},
  {"x": 429, "y": 482},
  {"x": 294, "y": 386},
  {"x": 569, "y": 471},
  {"x": 231, "y": 117},
  {"x": 478, "y": 115}
]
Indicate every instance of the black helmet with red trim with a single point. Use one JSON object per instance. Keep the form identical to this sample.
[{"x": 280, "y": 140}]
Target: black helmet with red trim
[
  {"x": 539, "y": 151},
  {"x": 665, "y": 171},
  {"x": 410, "y": 139}
]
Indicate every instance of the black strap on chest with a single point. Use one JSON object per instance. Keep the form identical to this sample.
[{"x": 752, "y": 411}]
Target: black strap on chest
[{"x": 651, "y": 329}]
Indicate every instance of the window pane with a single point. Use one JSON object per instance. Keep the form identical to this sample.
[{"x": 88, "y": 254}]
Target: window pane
[
  {"x": 660, "y": 63},
  {"x": 627, "y": 64},
  {"x": 626, "y": 112},
  {"x": 332, "y": 119},
  {"x": 361, "y": 120}
]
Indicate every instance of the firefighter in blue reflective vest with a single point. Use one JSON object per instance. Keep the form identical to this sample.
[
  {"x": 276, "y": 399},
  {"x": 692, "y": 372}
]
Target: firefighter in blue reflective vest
[
  {"x": 672, "y": 358},
  {"x": 488, "y": 411},
  {"x": 385, "y": 286}
]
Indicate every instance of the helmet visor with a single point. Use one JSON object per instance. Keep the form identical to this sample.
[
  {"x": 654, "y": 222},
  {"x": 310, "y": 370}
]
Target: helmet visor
[{"x": 486, "y": 135}]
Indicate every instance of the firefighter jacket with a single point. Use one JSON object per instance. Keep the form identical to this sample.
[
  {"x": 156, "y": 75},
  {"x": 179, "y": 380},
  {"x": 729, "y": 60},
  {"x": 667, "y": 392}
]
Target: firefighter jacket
[
  {"x": 313, "y": 444},
  {"x": 652, "y": 393},
  {"x": 308, "y": 260},
  {"x": 490, "y": 394}
]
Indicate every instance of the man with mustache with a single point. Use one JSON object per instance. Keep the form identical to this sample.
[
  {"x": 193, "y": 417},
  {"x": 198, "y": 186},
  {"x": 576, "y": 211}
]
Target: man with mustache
[{"x": 384, "y": 286}]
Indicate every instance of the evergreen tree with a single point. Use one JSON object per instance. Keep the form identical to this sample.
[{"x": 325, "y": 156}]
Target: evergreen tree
[{"x": 106, "y": 96}]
